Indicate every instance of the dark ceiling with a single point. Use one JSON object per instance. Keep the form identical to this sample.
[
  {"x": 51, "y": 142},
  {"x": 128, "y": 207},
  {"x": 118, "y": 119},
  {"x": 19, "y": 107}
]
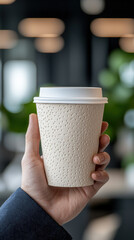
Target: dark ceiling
[{"x": 10, "y": 15}]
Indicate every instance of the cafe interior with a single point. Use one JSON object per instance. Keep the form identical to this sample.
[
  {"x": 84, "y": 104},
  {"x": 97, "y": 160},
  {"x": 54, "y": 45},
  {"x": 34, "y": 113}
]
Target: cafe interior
[{"x": 71, "y": 43}]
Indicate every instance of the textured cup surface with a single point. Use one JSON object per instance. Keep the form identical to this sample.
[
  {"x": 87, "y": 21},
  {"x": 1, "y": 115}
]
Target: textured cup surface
[{"x": 69, "y": 138}]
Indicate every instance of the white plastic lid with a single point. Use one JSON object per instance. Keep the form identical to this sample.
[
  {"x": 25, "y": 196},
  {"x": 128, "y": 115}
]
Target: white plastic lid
[{"x": 71, "y": 95}]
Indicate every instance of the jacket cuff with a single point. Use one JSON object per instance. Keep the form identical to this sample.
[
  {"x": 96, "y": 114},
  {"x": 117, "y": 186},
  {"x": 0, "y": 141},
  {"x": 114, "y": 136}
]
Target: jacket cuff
[{"x": 22, "y": 218}]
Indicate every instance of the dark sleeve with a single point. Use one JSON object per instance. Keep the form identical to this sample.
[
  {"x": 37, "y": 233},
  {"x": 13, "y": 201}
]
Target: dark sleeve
[{"x": 22, "y": 218}]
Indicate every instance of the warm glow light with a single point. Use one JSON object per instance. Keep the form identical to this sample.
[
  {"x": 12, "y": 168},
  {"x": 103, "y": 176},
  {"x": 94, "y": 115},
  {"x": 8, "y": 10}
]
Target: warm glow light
[
  {"x": 5, "y": 2},
  {"x": 92, "y": 6},
  {"x": 41, "y": 27},
  {"x": 127, "y": 44},
  {"x": 128, "y": 36},
  {"x": 8, "y": 39},
  {"x": 49, "y": 45},
  {"x": 112, "y": 27}
]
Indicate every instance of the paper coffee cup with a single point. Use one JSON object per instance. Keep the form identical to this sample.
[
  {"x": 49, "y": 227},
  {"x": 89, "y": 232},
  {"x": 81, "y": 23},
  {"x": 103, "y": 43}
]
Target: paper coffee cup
[{"x": 70, "y": 120}]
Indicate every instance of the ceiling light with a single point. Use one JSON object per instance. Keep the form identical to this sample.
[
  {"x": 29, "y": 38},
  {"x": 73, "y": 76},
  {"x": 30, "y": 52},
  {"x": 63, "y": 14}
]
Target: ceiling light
[
  {"x": 92, "y": 6},
  {"x": 8, "y": 39},
  {"x": 41, "y": 27},
  {"x": 49, "y": 45},
  {"x": 5, "y": 2},
  {"x": 127, "y": 44},
  {"x": 112, "y": 27}
]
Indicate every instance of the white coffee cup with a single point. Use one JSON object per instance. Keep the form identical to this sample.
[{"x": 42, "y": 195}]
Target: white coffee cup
[{"x": 70, "y": 120}]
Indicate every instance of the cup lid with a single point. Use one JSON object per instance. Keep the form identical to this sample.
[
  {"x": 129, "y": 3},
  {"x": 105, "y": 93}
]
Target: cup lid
[{"x": 71, "y": 95}]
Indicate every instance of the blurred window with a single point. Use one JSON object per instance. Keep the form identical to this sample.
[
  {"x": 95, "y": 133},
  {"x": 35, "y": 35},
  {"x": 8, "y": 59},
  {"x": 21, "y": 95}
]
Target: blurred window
[
  {"x": 19, "y": 83},
  {"x": 127, "y": 74}
]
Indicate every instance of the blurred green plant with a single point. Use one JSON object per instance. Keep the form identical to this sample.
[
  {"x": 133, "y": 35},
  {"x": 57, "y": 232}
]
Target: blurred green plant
[
  {"x": 18, "y": 122},
  {"x": 120, "y": 94},
  {"x": 128, "y": 160}
]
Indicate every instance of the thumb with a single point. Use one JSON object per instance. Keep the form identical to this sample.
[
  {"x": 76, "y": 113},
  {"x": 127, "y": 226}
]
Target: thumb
[{"x": 32, "y": 136}]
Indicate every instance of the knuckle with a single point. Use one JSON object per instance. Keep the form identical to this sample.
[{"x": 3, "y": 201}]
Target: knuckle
[
  {"x": 104, "y": 157},
  {"x": 101, "y": 157},
  {"x": 106, "y": 176},
  {"x": 30, "y": 136},
  {"x": 28, "y": 160},
  {"x": 23, "y": 161},
  {"x": 27, "y": 136},
  {"x": 107, "y": 157},
  {"x": 108, "y": 137},
  {"x": 107, "y": 179}
]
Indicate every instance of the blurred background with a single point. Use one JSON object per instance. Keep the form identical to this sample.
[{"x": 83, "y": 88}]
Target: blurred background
[{"x": 71, "y": 43}]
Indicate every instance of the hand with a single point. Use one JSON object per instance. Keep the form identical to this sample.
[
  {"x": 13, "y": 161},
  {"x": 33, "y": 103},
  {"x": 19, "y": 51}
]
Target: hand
[{"x": 62, "y": 204}]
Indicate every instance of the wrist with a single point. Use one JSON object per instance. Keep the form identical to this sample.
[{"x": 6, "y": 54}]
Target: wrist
[{"x": 45, "y": 205}]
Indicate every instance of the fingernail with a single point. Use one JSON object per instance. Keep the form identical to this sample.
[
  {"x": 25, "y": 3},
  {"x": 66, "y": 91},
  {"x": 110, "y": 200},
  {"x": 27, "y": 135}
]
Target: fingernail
[
  {"x": 96, "y": 159},
  {"x": 93, "y": 175}
]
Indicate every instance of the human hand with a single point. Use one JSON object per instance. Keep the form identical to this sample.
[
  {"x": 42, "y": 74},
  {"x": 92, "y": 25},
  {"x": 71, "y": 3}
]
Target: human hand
[{"x": 62, "y": 204}]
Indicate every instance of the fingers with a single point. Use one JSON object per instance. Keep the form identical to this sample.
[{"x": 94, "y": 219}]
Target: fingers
[
  {"x": 100, "y": 176},
  {"x": 103, "y": 142},
  {"x": 32, "y": 136},
  {"x": 101, "y": 160},
  {"x": 104, "y": 127},
  {"x": 97, "y": 186},
  {"x": 104, "y": 139}
]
